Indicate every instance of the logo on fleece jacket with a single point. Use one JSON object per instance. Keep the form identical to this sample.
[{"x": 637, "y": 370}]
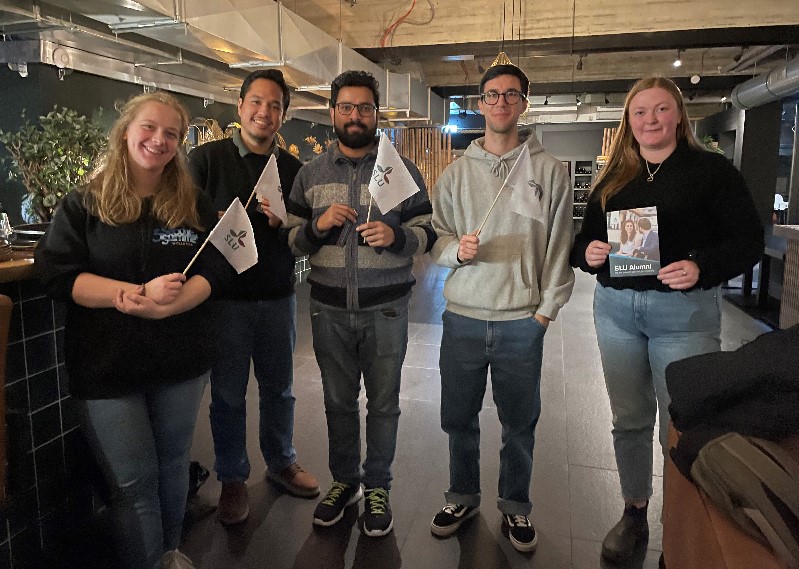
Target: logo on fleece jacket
[{"x": 178, "y": 236}]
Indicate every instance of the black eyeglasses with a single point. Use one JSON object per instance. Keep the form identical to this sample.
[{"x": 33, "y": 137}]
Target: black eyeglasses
[
  {"x": 364, "y": 109},
  {"x": 511, "y": 97}
]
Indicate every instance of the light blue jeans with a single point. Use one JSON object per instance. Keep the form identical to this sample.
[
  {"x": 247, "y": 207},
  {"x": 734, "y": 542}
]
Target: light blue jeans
[
  {"x": 142, "y": 444},
  {"x": 639, "y": 334},
  {"x": 349, "y": 343},
  {"x": 513, "y": 350},
  {"x": 266, "y": 332}
]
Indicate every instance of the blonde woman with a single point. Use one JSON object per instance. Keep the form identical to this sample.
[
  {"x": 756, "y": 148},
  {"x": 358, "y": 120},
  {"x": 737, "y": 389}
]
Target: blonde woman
[
  {"x": 136, "y": 340},
  {"x": 708, "y": 232}
]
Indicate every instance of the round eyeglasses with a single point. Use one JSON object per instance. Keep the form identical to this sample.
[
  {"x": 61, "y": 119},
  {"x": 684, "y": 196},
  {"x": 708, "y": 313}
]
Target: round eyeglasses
[
  {"x": 364, "y": 109},
  {"x": 511, "y": 97}
]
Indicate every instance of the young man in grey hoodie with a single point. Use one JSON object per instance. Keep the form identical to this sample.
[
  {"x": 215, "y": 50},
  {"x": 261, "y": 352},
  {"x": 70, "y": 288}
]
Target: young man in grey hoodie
[{"x": 507, "y": 283}]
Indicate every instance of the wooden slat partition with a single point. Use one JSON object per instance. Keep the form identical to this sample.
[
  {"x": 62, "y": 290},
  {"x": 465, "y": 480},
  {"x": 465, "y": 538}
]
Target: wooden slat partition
[
  {"x": 427, "y": 147},
  {"x": 607, "y": 140}
]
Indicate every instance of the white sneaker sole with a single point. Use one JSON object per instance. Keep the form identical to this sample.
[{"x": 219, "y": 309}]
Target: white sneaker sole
[
  {"x": 379, "y": 532},
  {"x": 446, "y": 531},
  {"x": 355, "y": 497},
  {"x": 523, "y": 547}
]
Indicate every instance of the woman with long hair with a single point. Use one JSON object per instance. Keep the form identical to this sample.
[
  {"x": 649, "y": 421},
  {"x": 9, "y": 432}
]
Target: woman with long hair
[
  {"x": 708, "y": 232},
  {"x": 137, "y": 340},
  {"x": 630, "y": 239}
]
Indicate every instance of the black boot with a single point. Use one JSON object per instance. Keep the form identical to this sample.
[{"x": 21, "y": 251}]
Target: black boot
[{"x": 620, "y": 542}]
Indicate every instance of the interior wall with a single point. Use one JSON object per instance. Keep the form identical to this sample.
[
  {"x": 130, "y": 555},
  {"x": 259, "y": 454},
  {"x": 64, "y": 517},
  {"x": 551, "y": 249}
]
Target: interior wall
[{"x": 96, "y": 96}]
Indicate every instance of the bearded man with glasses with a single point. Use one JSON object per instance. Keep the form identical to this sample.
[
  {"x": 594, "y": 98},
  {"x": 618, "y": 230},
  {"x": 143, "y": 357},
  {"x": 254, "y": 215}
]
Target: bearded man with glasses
[
  {"x": 505, "y": 286},
  {"x": 360, "y": 287}
]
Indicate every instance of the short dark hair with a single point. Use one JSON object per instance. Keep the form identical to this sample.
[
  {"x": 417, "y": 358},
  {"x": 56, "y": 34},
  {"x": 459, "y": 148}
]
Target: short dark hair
[
  {"x": 644, "y": 223},
  {"x": 497, "y": 70},
  {"x": 354, "y": 79},
  {"x": 272, "y": 75}
]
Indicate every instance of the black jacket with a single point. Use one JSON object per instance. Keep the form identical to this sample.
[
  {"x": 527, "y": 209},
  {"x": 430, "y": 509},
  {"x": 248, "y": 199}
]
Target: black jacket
[
  {"x": 220, "y": 170},
  {"x": 753, "y": 390},
  {"x": 110, "y": 354}
]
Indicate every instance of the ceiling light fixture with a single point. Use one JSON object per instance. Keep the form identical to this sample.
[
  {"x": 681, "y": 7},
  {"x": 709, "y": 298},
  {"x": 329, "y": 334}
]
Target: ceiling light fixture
[
  {"x": 724, "y": 99},
  {"x": 606, "y": 99},
  {"x": 580, "y": 64},
  {"x": 695, "y": 79},
  {"x": 678, "y": 61},
  {"x": 739, "y": 55},
  {"x": 577, "y": 98},
  {"x": 546, "y": 100}
]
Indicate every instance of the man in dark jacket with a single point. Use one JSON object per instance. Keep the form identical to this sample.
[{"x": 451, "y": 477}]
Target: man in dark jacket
[{"x": 258, "y": 319}]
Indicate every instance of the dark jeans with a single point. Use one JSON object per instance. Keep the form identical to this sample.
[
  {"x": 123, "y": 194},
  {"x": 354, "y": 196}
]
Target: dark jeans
[
  {"x": 349, "y": 343},
  {"x": 264, "y": 331},
  {"x": 513, "y": 351}
]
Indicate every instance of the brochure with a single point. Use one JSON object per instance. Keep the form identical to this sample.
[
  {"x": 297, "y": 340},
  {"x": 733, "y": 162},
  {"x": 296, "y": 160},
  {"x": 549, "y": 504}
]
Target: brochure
[{"x": 633, "y": 236}]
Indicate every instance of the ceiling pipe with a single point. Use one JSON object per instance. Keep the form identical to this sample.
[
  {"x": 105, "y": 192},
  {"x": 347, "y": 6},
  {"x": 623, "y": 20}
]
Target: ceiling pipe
[
  {"x": 752, "y": 57},
  {"x": 767, "y": 87}
]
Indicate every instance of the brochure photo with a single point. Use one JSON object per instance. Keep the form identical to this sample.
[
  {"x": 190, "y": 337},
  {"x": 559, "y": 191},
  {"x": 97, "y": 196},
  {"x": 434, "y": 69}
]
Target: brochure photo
[{"x": 634, "y": 240}]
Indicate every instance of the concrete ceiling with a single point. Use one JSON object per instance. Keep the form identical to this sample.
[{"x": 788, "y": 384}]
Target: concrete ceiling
[{"x": 597, "y": 47}]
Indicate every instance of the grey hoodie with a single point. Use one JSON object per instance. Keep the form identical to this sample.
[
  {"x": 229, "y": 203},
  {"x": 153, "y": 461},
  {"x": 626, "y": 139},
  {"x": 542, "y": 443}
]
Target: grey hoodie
[{"x": 522, "y": 265}]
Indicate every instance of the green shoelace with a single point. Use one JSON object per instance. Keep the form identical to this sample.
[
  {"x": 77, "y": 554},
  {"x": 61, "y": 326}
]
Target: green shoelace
[
  {"x": 377, "y": 498},
  {"x": 334, "y": 493}
]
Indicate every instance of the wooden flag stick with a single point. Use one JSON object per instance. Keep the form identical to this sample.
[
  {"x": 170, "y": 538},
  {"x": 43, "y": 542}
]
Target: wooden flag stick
[
  {"x": 369, "y": 211},
  {"x": 197, "y": 254},
  {"x": 479, "y": 229},
  {"x": 249, "y": 199}
]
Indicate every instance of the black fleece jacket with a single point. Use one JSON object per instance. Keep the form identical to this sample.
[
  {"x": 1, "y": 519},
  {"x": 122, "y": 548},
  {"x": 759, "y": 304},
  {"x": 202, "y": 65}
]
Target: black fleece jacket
[
  {"x": 705, "y": 213},
  {"x": 110, "y": 354},
  {"x": 220, "y": 170}
]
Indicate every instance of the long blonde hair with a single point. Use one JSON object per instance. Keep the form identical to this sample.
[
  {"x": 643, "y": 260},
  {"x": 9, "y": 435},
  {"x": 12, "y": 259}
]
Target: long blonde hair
[
  {"x": 114, "y": 200},
  {"x": 624, "y": 162}
]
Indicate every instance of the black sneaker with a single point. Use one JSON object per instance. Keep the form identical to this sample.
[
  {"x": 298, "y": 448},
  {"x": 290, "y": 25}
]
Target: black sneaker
[
  {"x": 520, "y": 532},
  {"x": 331, "y": 509},
  {"x": 377, "y": 520},
  {"x": 450, "y": 518}
]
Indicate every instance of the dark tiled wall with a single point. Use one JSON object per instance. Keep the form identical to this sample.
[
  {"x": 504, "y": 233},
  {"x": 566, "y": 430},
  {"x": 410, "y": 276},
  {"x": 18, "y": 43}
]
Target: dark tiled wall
[{"x": 48, "y": 462}]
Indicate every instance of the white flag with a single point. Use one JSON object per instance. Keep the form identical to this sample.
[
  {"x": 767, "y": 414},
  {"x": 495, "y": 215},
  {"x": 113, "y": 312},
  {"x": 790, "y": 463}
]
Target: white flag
[
  {"x": 526, "y": 193},
  {"x": 234, "y": 238},
  {"x": 268, "y": 187},
  {"x": 391, "y": 183}
]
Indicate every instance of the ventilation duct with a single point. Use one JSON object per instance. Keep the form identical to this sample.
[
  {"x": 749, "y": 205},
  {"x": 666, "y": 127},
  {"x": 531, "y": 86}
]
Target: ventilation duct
[
  {"x": 156, "y": 40},
  {"x": 771, "y": 86}
]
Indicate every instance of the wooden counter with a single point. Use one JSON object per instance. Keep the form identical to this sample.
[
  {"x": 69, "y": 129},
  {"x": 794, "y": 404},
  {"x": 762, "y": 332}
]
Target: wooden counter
[
  {"x": 19, "y": 268},
  {"x": 789, "y": 304}
]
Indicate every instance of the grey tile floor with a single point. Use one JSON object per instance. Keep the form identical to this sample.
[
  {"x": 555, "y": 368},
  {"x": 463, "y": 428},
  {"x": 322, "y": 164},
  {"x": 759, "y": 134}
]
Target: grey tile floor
[{"x": 574, "y": 488}]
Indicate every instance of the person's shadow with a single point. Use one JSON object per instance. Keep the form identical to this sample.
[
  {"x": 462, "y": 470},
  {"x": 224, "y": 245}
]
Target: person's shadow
[
  {"x": 325, "y": 547},
  {"x": 374, "y": 552},
  {"x": 479, "y": 547}
]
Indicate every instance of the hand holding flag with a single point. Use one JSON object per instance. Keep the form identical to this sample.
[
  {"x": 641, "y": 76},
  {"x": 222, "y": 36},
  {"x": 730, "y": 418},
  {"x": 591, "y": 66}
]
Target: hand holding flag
[
  {"x": 268, "y": 188},
  {"x": 234, "y": 238}
]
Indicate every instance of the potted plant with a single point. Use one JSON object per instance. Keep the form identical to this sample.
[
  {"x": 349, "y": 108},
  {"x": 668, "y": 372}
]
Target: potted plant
[{"x": 53, "y": 157}]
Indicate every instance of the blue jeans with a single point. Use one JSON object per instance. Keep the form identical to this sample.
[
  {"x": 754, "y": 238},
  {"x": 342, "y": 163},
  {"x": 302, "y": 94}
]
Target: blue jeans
[
  {"x": 142, "y": 445},
  {"x": 513, "y": 350},
  {"x": 349, "y": 343},
  {"x": 264, "y": 331},
  {"x": 639, "y": 334}
]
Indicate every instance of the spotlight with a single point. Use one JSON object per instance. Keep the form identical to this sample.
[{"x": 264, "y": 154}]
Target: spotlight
[
  {"x": 577, "y": 98},
  {"x": 580, "y": 64},
  {"x": 606, "y": 99},
  {"x": 678, "y": 61},
  {"x": 546, "y": 100},
  {"x": 738, "y": 56},
  {"x": 724, "y": 99},
  {"x": 695, "y": 79}
]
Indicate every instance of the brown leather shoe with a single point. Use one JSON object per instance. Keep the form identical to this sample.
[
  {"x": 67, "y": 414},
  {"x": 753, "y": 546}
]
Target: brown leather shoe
[
  {"x": 296, "y": 481},
  {"x": 234, "y": 504}
]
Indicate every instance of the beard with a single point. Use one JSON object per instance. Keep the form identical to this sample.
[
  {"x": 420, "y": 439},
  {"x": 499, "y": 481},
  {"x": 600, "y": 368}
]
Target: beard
[{"x": 356, "y": 139}]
